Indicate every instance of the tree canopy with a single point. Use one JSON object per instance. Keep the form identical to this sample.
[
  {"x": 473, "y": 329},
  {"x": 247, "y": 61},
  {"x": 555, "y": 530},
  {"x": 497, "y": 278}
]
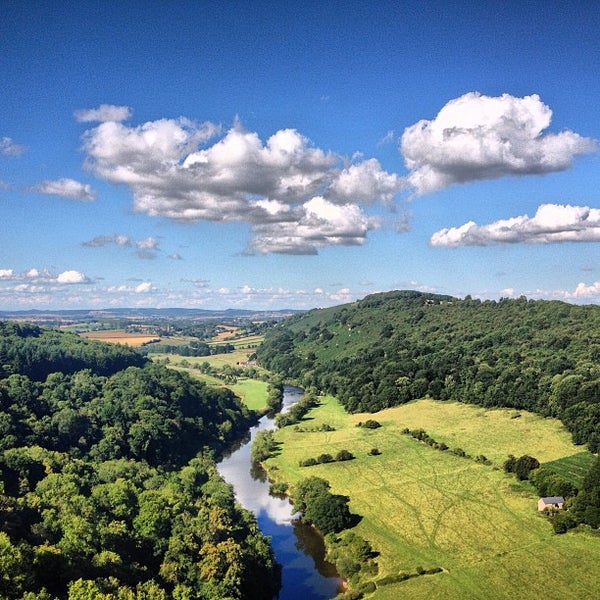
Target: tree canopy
[{"x": 108, "y": 487}]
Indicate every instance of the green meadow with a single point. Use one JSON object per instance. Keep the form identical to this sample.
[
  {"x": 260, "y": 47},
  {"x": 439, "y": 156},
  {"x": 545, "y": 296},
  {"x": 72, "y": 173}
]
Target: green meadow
[{"x": 425, "y": 508}]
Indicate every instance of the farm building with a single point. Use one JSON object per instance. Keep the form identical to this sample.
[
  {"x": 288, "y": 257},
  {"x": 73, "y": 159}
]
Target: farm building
[{"x": 551, "y": 503}]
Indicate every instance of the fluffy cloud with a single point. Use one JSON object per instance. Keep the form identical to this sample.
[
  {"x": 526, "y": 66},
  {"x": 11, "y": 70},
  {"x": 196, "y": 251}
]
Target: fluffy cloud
[
  {"x": 68, "y": 188},
  {"x": 105, "y": 112},
  {"x": 364, "y": 183},
  {"x": 8, "y": 147},
  {"x": 6, "y": 273},
  {"x": 551, "y": 223},
  {"x": 71, "y": 277},
  {"x": 481, "y": 137},
  {"x": 318, "y": 223},
  {"x": 293, "y": 194},
  {"x": 587, "y": 291},
  {"x": 143, "y": 288}
]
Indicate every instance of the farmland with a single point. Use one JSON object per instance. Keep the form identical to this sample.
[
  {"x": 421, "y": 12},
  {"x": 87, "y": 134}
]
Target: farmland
[
  {"x": 424, "y": 508},
  {"x": 135, "y": 340}
]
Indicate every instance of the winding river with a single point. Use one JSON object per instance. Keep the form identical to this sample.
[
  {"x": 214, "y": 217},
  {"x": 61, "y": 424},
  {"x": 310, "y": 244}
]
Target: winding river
[{"x": 300, "y": 551}]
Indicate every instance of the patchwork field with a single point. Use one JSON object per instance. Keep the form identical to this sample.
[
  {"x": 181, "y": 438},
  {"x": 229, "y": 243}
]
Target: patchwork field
[
  {"x": 423, "y": 507},
  {"x": 121, "y": 337}
]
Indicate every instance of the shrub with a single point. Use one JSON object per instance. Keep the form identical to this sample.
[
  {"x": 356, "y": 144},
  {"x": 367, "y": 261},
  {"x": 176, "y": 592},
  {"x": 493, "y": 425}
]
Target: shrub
[
  {"x": 374, "y": 452},
  {"x": 344, "y": 455},
  {"x": 324, "y": 458}
]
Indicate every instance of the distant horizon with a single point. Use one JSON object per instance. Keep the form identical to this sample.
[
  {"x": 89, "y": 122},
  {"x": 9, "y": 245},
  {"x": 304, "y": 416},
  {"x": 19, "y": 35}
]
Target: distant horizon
[{"x": 216, "y": 311}]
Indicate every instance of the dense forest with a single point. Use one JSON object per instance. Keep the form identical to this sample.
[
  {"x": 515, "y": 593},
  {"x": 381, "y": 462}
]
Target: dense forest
[
  {"x": 108, "y": 487},
  {"x": 390, "y": 348}
]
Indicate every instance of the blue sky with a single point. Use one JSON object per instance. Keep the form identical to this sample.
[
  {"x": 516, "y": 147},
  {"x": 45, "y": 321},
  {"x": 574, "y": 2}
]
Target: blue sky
[{"x": 294, "y": 155}]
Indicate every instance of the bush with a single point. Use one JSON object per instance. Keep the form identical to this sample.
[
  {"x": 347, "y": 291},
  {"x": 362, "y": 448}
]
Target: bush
[
  {"x": 344, "y": 455},
  {"x": 308, "y": 462},
  {"x": 324, "y": 458},
  {"x": 374, "y": 452}
]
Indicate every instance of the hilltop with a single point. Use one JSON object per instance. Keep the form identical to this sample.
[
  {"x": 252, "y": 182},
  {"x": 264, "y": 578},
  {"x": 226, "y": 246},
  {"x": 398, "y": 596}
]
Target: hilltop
[{"x": 394, "y": 347}]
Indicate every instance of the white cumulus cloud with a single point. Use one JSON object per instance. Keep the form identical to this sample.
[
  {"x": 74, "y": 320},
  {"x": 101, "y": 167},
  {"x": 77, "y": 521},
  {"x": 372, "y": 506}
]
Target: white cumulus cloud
[
  {"x": 318, "y": 223},
  {"x": 69, "y": 188},
  {"x": 551, "y": 223},
  {"x": 174, "y": 172},
  {"x": 481, "y": 137},
  {"x": 71, "y": 277},
  {"x": 105, "y": 112}
]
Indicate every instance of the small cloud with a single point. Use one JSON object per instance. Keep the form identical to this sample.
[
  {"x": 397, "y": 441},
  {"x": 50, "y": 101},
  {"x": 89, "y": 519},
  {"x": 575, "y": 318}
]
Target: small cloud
[
  {"x": 552, "y": 223},
  {"x": 8, "y": 147},
  {"x": 402, "y": 224},
  {"x": 147, "y": 247},
  {"x": 68, "y": 188},
  {"x": 4, "y": 185},
  {"x": 71, "y": 277},
  {"x": 104, "y": 113},
  {"x": 143, "y": 288},
  {"x": 477, "y": 137},
  {"x": 107, "y": 240},
  {"x": 175, "y": 256},
  {"x": 388, "y": 138},
  {"x": 6, "y": 273}
]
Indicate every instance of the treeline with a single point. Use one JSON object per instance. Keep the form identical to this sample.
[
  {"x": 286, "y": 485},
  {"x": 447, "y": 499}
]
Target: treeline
[
  {"x": 108, "y": 488},
  {"x": 193, "y": 349},
  {"x": 391, "y": 348}
]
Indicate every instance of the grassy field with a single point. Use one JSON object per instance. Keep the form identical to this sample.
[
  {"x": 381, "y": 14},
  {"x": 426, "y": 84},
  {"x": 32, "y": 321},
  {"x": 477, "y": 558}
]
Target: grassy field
[
  {"x": 121, "y": 337},
  {"x": 422, "y": 507}
]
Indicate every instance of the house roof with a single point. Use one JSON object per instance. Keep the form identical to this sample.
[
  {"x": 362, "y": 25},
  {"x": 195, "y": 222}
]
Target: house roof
[{"x": 553, "y": 500}]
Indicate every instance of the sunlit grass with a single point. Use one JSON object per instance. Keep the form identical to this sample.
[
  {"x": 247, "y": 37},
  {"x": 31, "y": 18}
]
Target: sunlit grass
[{"x": 424, "y": 507}]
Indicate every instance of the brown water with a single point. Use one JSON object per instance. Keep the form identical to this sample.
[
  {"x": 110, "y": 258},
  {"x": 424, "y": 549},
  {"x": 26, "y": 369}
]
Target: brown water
[{"x": 298, "y": 548}]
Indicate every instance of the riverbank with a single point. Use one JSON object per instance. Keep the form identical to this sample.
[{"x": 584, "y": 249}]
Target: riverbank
[{"x": 298, "y": 548}]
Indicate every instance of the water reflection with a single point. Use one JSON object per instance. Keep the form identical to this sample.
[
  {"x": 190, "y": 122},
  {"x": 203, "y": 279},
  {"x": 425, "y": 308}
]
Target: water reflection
[{"x": 300, "y": 551}]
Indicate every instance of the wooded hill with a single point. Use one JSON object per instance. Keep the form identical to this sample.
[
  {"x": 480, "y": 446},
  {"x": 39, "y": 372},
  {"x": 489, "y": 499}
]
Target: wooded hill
[
  {"x": 390, "y": 348},
  {"x": 108, "y": 488}
]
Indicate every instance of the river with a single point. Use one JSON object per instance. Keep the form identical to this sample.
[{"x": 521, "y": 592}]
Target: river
[{"x": 297, "y": 547}]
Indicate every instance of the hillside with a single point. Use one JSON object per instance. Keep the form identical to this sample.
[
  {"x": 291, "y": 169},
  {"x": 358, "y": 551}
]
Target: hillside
[{"x": 390, "y": 348}]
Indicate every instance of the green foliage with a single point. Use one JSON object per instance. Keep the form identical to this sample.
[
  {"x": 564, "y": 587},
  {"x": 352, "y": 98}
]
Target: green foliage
[
  {"x": 353, "y": 557},
  {"x": 263, "y": 446},
  {"x": 390, "y": 348},
  {"x": 369, "y": 424},
  {"x": 296, "y": 412},
  {"x": 326, "y": 511},
  {"x": 521, "y": 466},
  {"x": 108, "y": 485}
]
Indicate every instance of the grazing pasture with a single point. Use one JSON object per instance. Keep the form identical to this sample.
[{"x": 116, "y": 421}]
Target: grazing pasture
[{"x": 423, "y": 508}]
